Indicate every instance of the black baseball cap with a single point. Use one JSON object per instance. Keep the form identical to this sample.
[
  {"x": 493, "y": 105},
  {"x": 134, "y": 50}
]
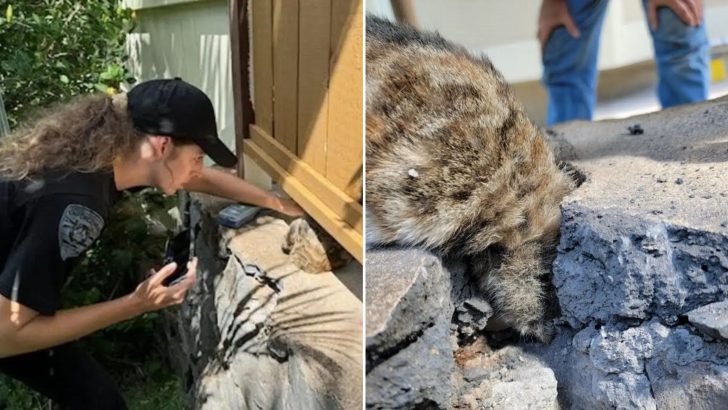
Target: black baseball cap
[{"x": 178, "y": 109}]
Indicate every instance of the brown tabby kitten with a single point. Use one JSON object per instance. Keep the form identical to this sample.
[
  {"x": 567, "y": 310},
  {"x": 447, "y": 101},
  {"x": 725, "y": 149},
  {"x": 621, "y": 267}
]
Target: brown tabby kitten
[
  {"x": 453, "y": 165},
  {"x": 312, "y": 249}
]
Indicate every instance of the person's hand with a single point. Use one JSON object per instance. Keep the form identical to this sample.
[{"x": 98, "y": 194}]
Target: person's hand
[
  {"x": 554, "y": 13},
  {"x": 152, "y": 295},
  {"x": 689, "y": 11},
  {"x": 288, "y": 207}
]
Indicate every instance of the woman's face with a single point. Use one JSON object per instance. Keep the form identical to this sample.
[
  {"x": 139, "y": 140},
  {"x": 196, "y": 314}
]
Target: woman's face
[{"x": 183, "y": 163}]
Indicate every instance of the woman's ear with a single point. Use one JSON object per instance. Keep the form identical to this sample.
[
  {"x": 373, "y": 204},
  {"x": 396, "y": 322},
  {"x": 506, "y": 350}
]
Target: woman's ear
[{"x": 161, "y": 146}]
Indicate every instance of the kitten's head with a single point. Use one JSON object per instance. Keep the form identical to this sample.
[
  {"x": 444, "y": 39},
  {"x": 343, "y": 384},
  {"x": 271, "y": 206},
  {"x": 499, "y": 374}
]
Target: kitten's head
[{"x": 312, "y": 249}]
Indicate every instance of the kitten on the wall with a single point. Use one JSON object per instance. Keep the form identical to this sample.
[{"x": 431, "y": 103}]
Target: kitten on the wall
[
  {"x": 454, "y": 165},
  {"x": 312, "y": 249}
]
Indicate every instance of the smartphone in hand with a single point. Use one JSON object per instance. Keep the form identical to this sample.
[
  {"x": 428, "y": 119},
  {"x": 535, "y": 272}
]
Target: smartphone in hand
[{"x": 177, "y": 250}]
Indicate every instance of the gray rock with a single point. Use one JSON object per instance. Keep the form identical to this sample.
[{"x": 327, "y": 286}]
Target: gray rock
[
  {"x": 614, "y": 265},
  {"x": 711, "y": 319},
  {"x": 276, "y": 338},
  {"x": 472, "y": 315},
  {"x": 647, "y": 367},
  {"x": 409, "y": 349},
  {"x": 508, "y": 378},
  {"x": 630, "y": 247},
  {"x": 528, "y": 389},
  {"x": 418, "y": 376},
  {"x": 685, "y": 371},
  {"x": 615, "y": 351},
  {"x": 408, "y": 291}
]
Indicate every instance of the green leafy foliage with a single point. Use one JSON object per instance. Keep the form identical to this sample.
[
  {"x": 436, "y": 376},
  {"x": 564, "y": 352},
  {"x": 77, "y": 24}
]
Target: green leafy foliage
[
  {"x": 159, "y": 391},
  {"x": 130, "y": 245},
  {"x": 51, "y": 50},
  {"x": 14, "y": 395},
  {"x": 152, "y": 387}
]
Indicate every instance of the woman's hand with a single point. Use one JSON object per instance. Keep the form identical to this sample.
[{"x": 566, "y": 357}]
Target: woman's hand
[
  {"x": 226, "y": 185},
  {"x": 152, "y": 295},
  {"x": 287, "y": 206}
]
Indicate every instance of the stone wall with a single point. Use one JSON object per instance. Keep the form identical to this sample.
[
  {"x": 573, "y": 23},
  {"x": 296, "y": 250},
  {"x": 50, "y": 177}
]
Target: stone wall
[
  {"x": 641, "y": 277},
  {"x": 275, "y": 338}
]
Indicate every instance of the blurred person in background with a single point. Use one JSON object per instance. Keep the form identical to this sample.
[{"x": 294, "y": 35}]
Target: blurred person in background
[{"x": 569, "y": 31}]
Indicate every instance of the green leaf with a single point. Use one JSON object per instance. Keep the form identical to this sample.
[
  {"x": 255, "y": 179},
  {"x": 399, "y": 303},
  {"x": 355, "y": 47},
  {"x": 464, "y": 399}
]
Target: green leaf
[
  {"x": 113, "y": 73},
  {"x": 64, "y": 79},
  {"x": 9, "y": 13}
]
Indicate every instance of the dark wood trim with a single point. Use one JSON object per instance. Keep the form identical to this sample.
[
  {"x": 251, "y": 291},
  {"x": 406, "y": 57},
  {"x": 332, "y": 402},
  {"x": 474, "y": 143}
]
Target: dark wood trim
[{"x": 240, "y": 47}]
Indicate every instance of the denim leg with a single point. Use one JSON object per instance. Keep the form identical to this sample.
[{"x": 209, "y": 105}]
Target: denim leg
[
  {"x": 682, "y": 59},
  {"x": 570, "y": 64}
]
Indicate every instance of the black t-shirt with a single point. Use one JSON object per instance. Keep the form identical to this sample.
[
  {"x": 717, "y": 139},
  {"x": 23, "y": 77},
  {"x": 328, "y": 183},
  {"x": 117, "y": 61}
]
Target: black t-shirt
[{"x": 45, "y": 226}]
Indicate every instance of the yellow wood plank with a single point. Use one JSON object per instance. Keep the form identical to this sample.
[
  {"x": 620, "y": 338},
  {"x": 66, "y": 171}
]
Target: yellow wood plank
[
  {"x": 349, "y": 238},
  {"x": 344, "y": 152},
  {"x": 313, "y": 82},
  {"x": 340, "y": 203},
  {"x": 285, "y": 72},
  {"x": 262, "y": 15}
]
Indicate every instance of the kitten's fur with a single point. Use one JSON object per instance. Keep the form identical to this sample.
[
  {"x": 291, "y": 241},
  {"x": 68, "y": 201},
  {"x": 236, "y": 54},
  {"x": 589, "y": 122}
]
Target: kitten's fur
[
  {"x": 454, "y": 165},
  {"x": 312, "y": 249}
]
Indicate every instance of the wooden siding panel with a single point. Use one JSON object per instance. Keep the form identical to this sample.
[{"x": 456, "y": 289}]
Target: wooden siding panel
[
  {"x": 344, "y": 154},
  {"x": 313, "y": 82},
  {"x": 334, "y": 198},
  {"x": 285, "y": 72},
  {"x": 341, "y": 230}
]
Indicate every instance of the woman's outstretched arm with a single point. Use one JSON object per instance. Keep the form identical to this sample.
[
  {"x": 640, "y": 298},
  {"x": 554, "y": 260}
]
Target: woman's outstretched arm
[{"x": 226, "y": 185}]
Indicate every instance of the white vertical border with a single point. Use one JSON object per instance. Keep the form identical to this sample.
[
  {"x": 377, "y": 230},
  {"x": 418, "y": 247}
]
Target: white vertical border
[{"x": 363, "y": 203}]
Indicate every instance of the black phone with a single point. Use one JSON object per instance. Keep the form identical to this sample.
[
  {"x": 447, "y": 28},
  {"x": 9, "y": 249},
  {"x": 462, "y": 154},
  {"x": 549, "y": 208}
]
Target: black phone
[{"x": 177, "y": 250}]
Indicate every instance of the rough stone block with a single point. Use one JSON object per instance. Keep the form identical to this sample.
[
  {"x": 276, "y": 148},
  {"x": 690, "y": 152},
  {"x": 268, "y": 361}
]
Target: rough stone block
[
  {"x": 418, "y": 376},
  {"x": 645, "y": 367},
  {"x": 407, "y": 290},
  {"x": 711, "y": 319},
  {"x": 277, "y": 338},
  {"x": 647, "y": 233},
  {"x": 508, "y": 378},
  {"x": 409, "y": 348}
]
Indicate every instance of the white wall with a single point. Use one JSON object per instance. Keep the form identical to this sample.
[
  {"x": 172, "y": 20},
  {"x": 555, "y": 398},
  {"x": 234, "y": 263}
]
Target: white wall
[
  {"x": 506, "y": 30},
  {"x": 190, "y": 39}
]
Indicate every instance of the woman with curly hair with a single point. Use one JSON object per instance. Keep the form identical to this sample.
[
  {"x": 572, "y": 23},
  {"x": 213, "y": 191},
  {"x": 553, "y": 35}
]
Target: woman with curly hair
[{"x": 59, "y": 178}]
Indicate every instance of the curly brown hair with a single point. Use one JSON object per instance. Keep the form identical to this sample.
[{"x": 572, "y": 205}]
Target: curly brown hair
[{"x": 84, "y": 135}]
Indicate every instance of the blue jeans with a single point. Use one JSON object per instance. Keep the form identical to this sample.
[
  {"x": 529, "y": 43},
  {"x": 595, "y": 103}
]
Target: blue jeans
[{"x": 570, "y": 65}]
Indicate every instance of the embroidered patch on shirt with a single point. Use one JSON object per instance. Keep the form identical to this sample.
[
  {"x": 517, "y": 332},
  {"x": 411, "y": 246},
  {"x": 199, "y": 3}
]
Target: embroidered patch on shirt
[{"x": 78, "y": 229}]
